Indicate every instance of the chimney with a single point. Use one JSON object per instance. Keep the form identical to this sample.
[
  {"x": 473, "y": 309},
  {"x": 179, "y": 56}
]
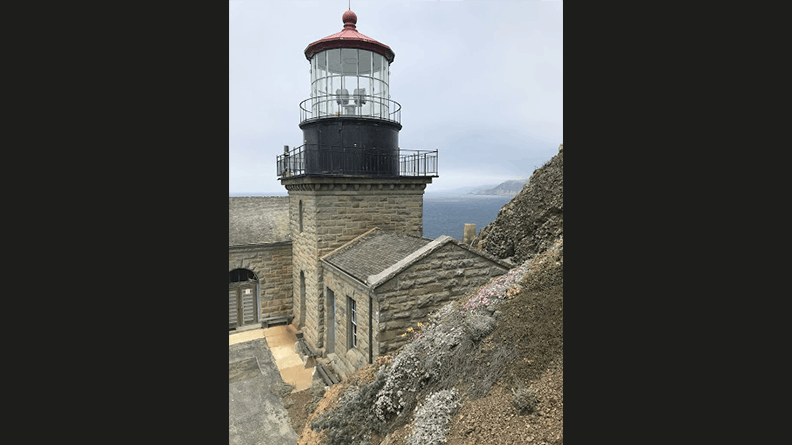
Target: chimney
[{"x": 469, "y": 233}]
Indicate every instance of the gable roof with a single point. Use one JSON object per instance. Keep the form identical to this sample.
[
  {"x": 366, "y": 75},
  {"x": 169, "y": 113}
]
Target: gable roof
[
  {"x": 373, "y": 252},
  {"x": 258, "y": 220},
  {"x": 374, "y": 281},
  {"x": 378, "y": 255}
]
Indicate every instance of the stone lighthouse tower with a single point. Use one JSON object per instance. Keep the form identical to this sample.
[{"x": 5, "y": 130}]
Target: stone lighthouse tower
[{"x": 350, "y": 175}]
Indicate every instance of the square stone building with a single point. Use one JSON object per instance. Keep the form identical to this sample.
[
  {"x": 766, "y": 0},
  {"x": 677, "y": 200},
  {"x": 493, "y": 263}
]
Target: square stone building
[
  {"x": 259, "y": 260},
  {"x": 319, "y": 258},
  {"x": 383, "y": 282}
]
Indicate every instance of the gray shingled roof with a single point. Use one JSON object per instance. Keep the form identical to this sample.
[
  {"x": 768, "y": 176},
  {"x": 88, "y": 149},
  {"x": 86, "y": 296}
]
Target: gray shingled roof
[
  {"x": 258, "y": 220},
  {"x": 374, "y": 252}
]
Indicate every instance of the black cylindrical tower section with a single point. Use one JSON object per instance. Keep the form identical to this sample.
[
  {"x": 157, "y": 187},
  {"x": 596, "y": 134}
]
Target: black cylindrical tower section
[{"x": 351, "y": 146}]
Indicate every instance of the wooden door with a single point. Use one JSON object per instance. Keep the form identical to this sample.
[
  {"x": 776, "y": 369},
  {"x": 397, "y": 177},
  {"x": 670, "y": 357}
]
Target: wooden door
[
  {"x": 247, "y": 303},
  {"x": 233, "y": 316},
  {"x": 242, "y": 308}
]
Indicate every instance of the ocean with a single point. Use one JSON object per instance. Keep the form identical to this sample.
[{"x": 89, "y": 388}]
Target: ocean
[{"x": 447, "y": 215}]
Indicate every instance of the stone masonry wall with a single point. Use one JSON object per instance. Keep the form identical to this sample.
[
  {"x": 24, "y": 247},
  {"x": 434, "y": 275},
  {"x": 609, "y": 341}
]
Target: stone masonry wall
[
  {"x": 336, "y": 211},
  {"x": 273, "y": 266},
  {"x": 344, "y": 287},
  {"x": 447, "y": 274},
  {"x": 305, "y": 259}
]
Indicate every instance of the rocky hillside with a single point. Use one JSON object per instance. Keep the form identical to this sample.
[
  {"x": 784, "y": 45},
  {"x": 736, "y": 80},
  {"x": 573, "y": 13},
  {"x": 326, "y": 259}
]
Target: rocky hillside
[
  {"x": 487, "y": 369},
  {"x": 532, "y": 220}
]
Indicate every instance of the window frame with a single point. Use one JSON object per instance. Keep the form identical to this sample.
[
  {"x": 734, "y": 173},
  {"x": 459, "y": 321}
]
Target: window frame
[
  {"x": 351, "y": 323},
  {"x": 300, "y": 216}
]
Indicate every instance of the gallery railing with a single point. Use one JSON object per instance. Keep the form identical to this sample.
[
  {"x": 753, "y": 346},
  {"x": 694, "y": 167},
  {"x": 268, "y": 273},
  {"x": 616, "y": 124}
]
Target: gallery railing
[
  {"x": 352, "y": 105},
  {"x": 310, "y": 159}
]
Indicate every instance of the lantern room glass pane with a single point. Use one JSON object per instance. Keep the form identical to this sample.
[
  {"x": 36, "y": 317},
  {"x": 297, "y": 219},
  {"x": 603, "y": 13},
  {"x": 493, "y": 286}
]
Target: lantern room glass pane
[
  {"x": 385, "y": 71},
  {"x": 349, "y": 61},
  {"x": 364, "y": 62},
  {"x": 322, "y": 65},
  {"x": 377, "y": 66},
  {"x": 347, "y": 101},
  {"x": 334, "y": 61}
]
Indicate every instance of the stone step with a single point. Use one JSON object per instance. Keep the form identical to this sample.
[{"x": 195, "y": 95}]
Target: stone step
[
  {"x": 306, "y": 348},
  {"x": 329, "y": 378},
  {"x": 304, "y": 351},
  {"x": 272, "y": 321}
]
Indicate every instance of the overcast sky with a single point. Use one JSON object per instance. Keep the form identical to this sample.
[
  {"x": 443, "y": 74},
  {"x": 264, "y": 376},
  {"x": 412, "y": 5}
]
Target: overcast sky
[{"x": 482, "y": 81}]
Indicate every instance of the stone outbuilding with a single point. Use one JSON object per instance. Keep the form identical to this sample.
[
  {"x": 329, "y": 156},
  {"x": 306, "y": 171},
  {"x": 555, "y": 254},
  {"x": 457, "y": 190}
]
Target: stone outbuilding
[
  {"x": 259, "y": 260},
  {"x": 382, "y": 282}
]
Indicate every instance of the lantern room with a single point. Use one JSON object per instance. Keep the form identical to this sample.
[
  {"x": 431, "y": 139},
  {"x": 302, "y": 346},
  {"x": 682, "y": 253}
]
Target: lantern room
[
  {"x": 349, "y": 76},
  {"x": 349, "y": 82}
]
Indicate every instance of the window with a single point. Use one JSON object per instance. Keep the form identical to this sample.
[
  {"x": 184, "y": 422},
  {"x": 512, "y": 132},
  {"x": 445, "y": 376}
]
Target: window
[
  {"x": 352, "y": 330},
  {"x": 301, "y": 215},
  {"x": 238, "y": 275},
  {"x": 331, "y": 327},
  {"x": 302, "y": 299}
]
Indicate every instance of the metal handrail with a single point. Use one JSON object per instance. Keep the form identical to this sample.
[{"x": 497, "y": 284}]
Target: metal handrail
[
  {"x": 353, "y": 105},
  {"x": 418, "y": 163},
  {"x": 310, "y": 159}
]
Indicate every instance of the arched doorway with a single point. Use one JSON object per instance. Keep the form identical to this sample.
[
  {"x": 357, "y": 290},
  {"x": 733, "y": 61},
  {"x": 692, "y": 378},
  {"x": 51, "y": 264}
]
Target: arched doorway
[{"x": 243, "y": 304}]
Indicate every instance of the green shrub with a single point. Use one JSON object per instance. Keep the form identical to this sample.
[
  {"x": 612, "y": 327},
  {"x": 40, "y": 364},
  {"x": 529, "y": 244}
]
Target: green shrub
[
  {"x": 433, "y": 418},
  {"x": 353, "y": 421},
  {"x": 524, "y": 400},
  {"x": 479, "y": 325}
]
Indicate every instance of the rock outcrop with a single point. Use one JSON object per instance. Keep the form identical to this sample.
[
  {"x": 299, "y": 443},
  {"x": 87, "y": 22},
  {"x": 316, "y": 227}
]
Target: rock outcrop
[{"x": 533, "y": 220}]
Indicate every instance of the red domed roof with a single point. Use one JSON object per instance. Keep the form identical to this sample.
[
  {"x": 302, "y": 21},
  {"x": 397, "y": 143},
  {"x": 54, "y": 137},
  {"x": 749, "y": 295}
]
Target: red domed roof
[{"x": 349, "y": 38}]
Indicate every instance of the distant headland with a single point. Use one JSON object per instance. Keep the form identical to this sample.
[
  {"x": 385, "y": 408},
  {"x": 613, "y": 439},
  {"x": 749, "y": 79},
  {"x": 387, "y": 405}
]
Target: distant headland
[{"x": 508, "y": 188}]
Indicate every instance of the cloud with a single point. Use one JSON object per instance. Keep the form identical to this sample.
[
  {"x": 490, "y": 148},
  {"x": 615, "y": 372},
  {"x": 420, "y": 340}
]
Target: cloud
[{"x": 480, "y": 81}]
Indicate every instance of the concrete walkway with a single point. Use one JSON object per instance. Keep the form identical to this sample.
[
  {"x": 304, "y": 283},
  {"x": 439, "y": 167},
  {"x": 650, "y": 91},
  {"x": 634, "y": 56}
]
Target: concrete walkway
[
  {"x": 255, "y": 413},
  {"x": 281, "y": 340}
]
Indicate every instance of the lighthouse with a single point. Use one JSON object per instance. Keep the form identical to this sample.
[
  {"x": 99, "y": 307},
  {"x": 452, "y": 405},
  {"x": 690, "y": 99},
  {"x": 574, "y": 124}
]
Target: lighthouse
[{"x": 349, "y": 175}]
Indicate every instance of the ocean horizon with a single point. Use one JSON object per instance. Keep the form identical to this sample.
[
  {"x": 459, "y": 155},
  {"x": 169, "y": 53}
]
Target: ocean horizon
[
  {"x": 445, "y": 214},
  {"x": 448, "y": 214}
]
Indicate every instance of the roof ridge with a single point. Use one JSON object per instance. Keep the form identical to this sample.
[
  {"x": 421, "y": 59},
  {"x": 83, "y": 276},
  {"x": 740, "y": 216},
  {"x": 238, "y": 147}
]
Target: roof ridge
[
  {"x": 375, "y": 280},
  {"x": 406, "y": 234},
  {"x": 347, "y": 244}
]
